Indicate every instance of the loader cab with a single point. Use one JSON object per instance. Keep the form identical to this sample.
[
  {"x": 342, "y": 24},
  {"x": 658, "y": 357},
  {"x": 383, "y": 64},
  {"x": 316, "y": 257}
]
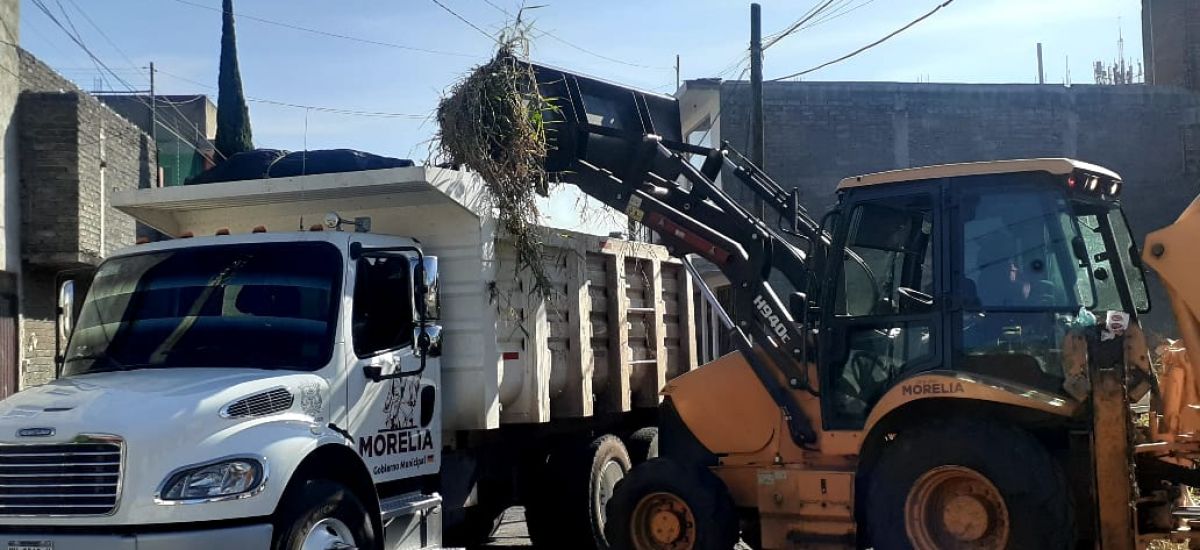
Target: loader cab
[{"x": 980, "y": 269}]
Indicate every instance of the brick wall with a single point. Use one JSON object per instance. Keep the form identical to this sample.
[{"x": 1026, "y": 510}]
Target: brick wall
[
  {"x": 818, "y": 133},
  {"x": 74, "y": 152}
]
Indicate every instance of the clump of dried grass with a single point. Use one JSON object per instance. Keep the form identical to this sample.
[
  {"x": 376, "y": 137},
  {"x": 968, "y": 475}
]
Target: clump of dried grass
[{"x": 492, "y": 122}]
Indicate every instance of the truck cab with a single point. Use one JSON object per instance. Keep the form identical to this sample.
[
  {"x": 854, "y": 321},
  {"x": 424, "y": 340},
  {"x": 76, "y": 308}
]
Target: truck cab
[{"x": 203, "y": 376}]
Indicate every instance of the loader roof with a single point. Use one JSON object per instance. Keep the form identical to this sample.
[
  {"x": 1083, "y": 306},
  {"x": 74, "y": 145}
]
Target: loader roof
[{"x": 1056, "y": 166}]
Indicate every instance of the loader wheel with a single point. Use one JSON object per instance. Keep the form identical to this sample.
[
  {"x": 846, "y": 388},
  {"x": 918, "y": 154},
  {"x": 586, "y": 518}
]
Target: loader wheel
[
  {"x": 962, "y": 484},
  {"x": 662, "y": 505},
  {"x": 567, "y": 510}
]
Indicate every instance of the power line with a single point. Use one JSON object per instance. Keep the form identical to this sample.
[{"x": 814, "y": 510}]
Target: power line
[
  {"x": 330, "y": 34},
  {"x": 868, "y": 46},
  {"x": 577, "y": 47},
  {"x": 498, "y": 8},
  {"x": 457, "y": 16},
  {"x": 797, "y": 24},
  {"x": 196, "y": 129},
  {"x": 602, "y": 56},
  {"x": 717, "y": 116},
  {"x": 332, "y": 110},
  {"x": 79, "y": 42},
  {"x": 836, "y": 15}
]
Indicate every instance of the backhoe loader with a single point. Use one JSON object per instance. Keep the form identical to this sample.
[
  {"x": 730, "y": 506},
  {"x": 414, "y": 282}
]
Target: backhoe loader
[{"x": 950, "y": 358}]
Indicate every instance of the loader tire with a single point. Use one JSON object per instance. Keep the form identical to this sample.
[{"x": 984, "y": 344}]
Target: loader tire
[
  {"x": 643, "y": 444},
  {"x": 664, "y": 505},
  {"x": 968, "y": 484},
  {"x": 567, "y": 510}
]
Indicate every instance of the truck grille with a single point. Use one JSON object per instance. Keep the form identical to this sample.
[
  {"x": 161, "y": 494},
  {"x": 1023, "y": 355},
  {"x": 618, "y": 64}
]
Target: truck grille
[{"x": 64, "y": 479}]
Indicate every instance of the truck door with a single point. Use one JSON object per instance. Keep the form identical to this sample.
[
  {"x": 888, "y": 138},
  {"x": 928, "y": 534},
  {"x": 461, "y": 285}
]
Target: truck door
[
  {"x": 393, "y": 403},
  {"x": 883, "y": 322}
]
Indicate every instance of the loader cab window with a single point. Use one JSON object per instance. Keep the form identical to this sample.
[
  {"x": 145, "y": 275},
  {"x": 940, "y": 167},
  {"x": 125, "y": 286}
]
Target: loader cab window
[
  {"x": 883, "y": 319},
  {"x": 383, "y": 318},
  {"x": 1024, "y": 275}
]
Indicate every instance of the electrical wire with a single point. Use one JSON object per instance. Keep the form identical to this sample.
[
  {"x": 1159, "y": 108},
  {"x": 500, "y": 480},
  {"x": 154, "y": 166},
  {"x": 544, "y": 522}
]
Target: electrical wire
[
  {"x": 836, "y": 15},
  {"x": 460, "y": 18},
  {"x": 577, "y": 47},
  {"x": 331, "y": 34},
  {"x": 797, "y": 24},
  {"x": 716, "y": 116},
  {"x": 182, "y": 118},
  {"x": 82, "y": 45},
  {"x": 868, "y": 46},
  {"x": 332, "y": 110}
]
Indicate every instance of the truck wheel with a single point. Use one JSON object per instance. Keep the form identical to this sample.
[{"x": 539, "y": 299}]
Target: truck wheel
[
  {"x": 643, "y": 445},
  {"x": 568, "y": 509},
  {"x": 322, "y": 514},
  {"x": 968, "y": 484},
  {"x": 662, "y": 505}
]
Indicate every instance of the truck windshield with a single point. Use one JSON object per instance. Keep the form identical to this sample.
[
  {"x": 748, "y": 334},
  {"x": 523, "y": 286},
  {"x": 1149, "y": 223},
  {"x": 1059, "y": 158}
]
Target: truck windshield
[{"x": 271, "y": 306}]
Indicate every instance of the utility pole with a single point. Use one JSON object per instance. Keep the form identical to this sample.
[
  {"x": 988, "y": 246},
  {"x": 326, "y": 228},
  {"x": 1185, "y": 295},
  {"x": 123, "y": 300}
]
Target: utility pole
[
  {"x": 677, "y": 72},
  {"x": 1041, "y": 68},
  {"x": 154, "y": 129},
  {"x": 756, "y": 98}
]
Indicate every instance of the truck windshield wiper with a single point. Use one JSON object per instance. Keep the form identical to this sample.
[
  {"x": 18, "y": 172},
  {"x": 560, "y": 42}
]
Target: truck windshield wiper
[{"x": 110, "y": 364}]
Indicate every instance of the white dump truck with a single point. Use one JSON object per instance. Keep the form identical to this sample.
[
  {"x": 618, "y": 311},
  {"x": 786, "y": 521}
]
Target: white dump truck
[{"x": 346, "y": 360}]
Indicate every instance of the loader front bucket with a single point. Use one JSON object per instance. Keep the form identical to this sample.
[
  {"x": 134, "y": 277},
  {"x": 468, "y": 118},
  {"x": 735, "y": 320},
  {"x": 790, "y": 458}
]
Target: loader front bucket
[{"x": 603, "y": 123}]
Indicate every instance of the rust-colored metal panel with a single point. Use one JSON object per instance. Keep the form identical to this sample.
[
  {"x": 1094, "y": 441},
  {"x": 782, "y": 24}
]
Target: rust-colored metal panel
[
  {"x": 726, "y": 406},
  {"x": 805, "y": 508},
  {"x": 9, "y": 383},
  {"x": 1112, "y": 456}
]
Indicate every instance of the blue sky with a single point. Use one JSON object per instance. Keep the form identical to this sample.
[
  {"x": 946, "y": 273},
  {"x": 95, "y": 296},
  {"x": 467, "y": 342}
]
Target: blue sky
[{"x": 969, "y": 41}]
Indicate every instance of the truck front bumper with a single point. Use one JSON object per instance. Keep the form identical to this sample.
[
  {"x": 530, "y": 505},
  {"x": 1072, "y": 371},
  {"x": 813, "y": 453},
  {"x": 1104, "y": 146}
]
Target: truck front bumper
[{"x": 248, "y": 537}]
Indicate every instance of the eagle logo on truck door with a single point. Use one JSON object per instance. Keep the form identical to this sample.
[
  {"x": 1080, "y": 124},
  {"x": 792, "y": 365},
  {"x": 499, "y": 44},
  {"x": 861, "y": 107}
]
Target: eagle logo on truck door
[
  {"x": 402, "y": 443},
  {"x": 401, "y": 406}
]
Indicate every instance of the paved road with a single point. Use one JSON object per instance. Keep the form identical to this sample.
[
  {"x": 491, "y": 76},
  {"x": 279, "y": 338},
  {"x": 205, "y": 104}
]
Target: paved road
[{"x": 512, "y": 532}]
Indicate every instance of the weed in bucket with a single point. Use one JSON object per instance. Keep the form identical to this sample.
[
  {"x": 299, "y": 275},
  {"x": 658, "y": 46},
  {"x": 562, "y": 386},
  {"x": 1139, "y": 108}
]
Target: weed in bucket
[{"x": 492, "y": 122}]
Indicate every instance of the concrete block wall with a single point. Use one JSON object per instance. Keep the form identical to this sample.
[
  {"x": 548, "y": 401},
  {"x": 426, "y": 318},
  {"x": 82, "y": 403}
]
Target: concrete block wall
[
  {"x": 74, "y": 151},
  {"x": 1171, "y": 42},
  {"x": 820, "y": 132}
]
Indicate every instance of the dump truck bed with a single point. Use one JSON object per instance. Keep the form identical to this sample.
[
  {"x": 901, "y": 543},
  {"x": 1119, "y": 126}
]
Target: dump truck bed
[{"x": 620, "y": 322}]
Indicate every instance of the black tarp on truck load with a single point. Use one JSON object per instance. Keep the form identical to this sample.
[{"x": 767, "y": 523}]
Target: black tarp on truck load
[{"x": 275, "y": 163}]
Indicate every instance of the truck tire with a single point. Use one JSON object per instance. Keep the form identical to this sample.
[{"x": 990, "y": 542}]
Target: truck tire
[
  {"x": 663, "y": 504},
  {"x": 643, "y": 445},
  {"x": 320, "y": 514},
  {"x": 568, "y": 508},
  {"x": 968, "y": 483}
]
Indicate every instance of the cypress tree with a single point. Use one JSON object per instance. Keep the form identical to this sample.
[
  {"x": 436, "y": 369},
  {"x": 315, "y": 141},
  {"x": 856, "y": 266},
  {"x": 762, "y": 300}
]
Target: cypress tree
[{"x": 233, "y": 118}]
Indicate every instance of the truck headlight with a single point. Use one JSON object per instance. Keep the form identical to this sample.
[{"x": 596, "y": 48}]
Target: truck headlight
[{"x": 225, "y": 479}]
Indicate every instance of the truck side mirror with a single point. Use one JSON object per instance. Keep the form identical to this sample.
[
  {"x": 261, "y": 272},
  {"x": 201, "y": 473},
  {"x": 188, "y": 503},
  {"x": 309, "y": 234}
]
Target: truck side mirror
[
  {"x": 65, "y": 317},
  {"x": 427, "y": 341},
  {"x": 72, "y": 286},
  {"x": 425, "y": 288}
]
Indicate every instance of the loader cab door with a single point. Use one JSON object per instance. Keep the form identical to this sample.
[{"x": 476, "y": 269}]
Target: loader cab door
[{"x": 883, "y": 318}]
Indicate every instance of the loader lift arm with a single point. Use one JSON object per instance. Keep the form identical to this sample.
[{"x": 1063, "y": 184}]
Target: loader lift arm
[{"x": 623, "y": 148}]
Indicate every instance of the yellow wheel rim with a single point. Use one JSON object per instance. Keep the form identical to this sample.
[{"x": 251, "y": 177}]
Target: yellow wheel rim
[
  {"x": 663, "y": 521},
  {"x": 954, "y": 507}
]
